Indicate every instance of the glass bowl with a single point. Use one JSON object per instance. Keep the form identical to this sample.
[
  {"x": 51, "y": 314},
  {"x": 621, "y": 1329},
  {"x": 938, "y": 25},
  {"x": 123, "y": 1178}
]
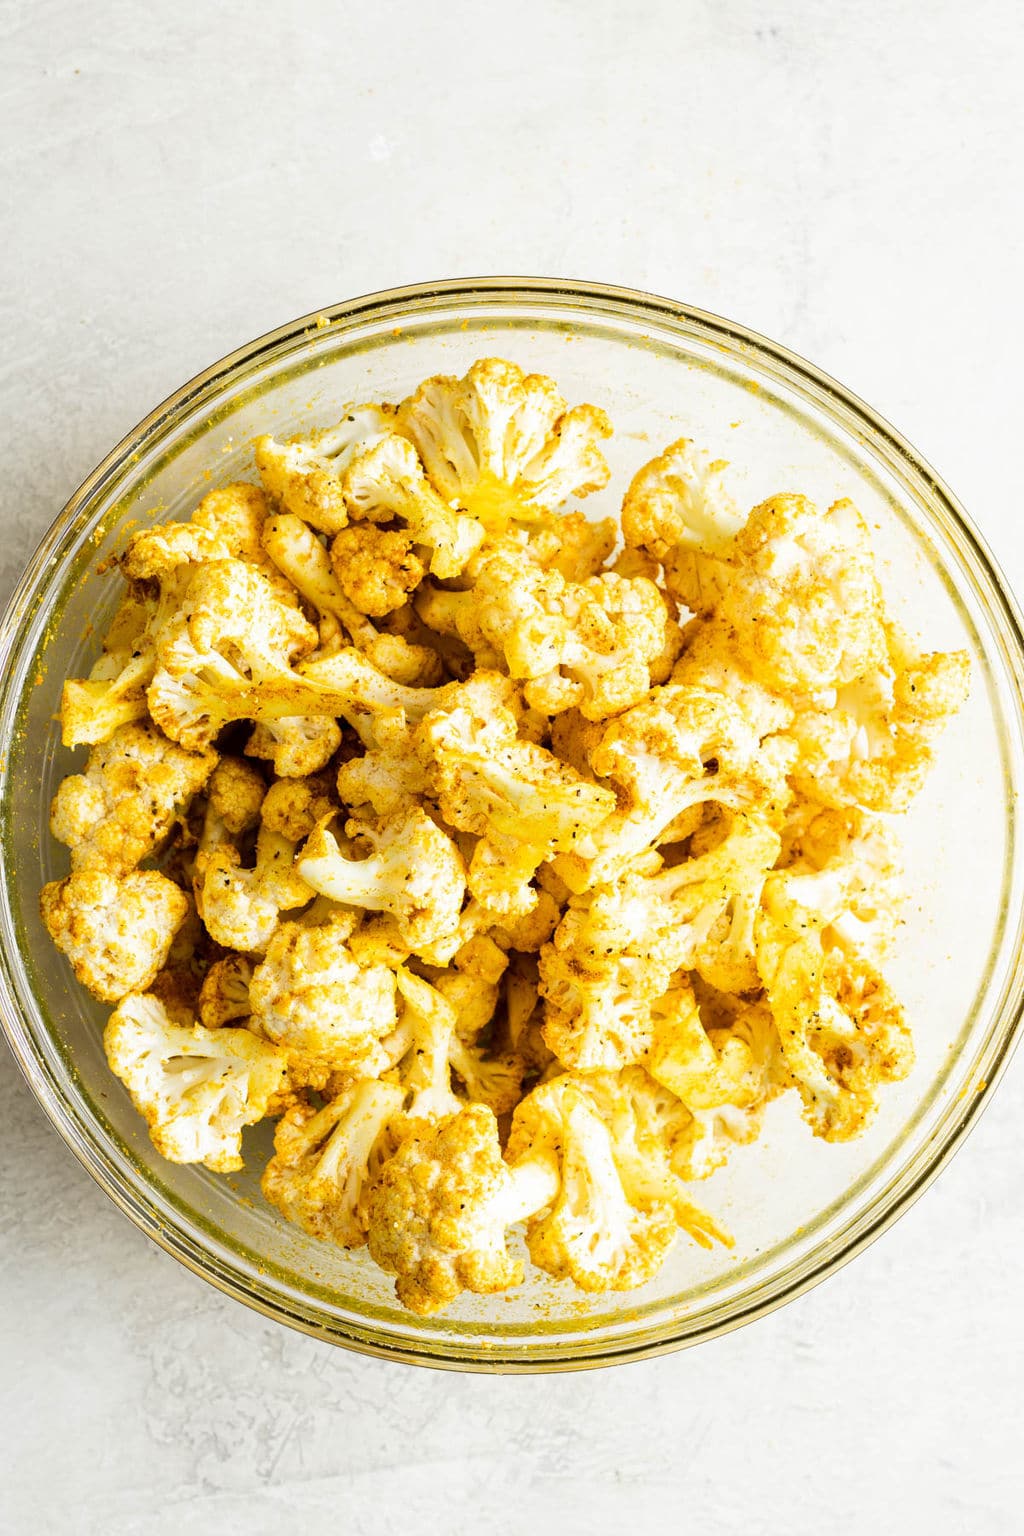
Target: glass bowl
[{"x": 798, "y": 1207}]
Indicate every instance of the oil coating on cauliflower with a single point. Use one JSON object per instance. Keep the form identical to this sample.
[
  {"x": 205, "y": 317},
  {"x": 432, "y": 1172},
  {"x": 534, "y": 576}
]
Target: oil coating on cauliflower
[
  {"x": 197, "y": 1088},
  {"x": 134, "y": 787},
  {"x": 116, "y": 930},
  {"x": 503, "y": 444}
]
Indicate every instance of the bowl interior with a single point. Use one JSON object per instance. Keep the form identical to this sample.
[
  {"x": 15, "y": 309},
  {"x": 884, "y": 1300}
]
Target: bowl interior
[{"x": 795, "y": 1205}]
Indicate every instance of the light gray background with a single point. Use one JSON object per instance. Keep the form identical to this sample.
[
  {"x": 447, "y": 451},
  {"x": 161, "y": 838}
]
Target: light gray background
[{"x": 176, "y": 179}]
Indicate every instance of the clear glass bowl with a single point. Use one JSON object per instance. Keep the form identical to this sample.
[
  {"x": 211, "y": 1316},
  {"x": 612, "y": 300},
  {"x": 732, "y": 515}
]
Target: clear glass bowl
[{"x": 798, "y": 1207}]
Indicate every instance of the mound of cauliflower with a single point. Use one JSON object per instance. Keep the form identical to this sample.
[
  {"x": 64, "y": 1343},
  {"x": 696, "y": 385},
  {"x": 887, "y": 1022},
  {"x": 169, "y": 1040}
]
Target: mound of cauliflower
[{"x": 513, "y": 861}]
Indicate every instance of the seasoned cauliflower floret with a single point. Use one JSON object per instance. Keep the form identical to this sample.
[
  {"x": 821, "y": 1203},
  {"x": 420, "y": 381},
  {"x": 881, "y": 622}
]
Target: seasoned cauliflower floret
[
  {"x": 294, "y": 806},
  {"x": 296, "y": 745},
  {"x": 135, "y": 785},
  {"x": 300, "y": 556},
  {"x": 114, "y": 693},
  {"x": 502, "y": 444},
  {"x": 376, "y": 568},
  {"x": 196, "y": 1088},
  {"x": 615, "y": 951},
  {"x": 224, "y": 994},
  {"x": 679, "y": 749},
  {"x": 116, "y": 930},
  {"x": 439, "y": 1212},
  {"x": 874, "y": 746},
  {"x": 586, "y": 645},
  {"x": 310, "y": 994},
  {"x": 843, "y": 1031},
  {"x": 241, "y": 907},
  {"x": 410, "y": 868},
  {"x": 593, "y": 1233},
  {"x": 322, "y": 1160},
  {"x": 226, "y": 525},
  {"x": 235, "y": 794},
  {"x": 389, "y": 482},
  {"x": 304, "y": 474},
  {"x": 678, "y": 511},
  {"x": 521, "y": 802}
]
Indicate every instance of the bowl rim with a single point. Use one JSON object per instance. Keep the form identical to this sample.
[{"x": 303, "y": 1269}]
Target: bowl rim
[{"x": 588, "y": 296}]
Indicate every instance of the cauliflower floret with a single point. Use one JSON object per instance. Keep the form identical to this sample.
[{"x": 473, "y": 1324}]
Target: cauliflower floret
[
  {"x": 842, "y": 1030},
  {"x": 293, "y": 807},
  {"x": 230, "y": 657},
  {"x": 310, "y": 994},
  {"x": 859, "y": 892},
  {"x": 135, "y": 786},
  {"x": 575, "y": 644},
  {"x": 706, "y": 1068},
  {"x": 593, "y": 1233},
  {"x": 488, "y": 1077},
  {"x": 296, "y": 745},
  {"x": 679, "y": 748},
  {"x": 802, "y": 600},
  {"x": 389, "y": 775},
  {"x": 874, "y": 746},
  {"x": 300, "y": 555},
  {"x": 615, "y": 951},
  {"x": 116, "y": 930},
  {"x": 709, "y": 662},
  {"x": 114, "y": 694},
  {"x": 241, "y": 908},
  {"x": 305, "y": 473},
  {"x": 196, "y": 1088},
  {"x": 235, "y": 794},
  {"x": 412, "y": 870},
  {"x": 438, "y": 1214},
  {"x": 679, "y": 512},
  {"x": 389, "y": 482},
  {"x": 652, "y": 1137},
  {"x": 227, "y": 655},
  {"x": 521, "y": 802},
  {"x": 571, "y": 544},
  {"x": 226, "y": 525},
  {"x": 224, "y": 994},
  {"x": 376, "y": 568},
  {"x": 322, "y": 1160},
  {"x": 502, "y": 444}
]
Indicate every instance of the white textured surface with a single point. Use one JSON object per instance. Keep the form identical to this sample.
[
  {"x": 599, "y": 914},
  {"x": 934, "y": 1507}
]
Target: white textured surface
[{"x": 176, "y": 179}]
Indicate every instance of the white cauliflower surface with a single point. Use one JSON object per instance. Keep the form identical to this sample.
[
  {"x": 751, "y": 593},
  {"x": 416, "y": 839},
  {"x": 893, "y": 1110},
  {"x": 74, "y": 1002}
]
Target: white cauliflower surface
[{"x": 512, "y": 872}]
